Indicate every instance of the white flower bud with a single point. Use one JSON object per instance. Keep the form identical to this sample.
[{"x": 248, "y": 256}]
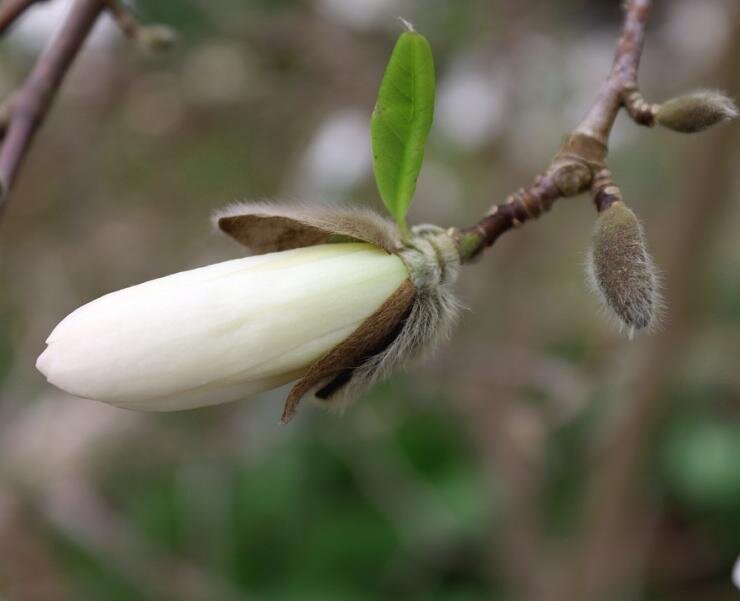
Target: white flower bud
[
  {"x": 222, "y": 332},
  {"x": 333, "y": 300}
]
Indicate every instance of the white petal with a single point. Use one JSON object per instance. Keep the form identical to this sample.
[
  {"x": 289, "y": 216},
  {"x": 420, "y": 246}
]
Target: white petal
[{"x": 221, "y": 332}]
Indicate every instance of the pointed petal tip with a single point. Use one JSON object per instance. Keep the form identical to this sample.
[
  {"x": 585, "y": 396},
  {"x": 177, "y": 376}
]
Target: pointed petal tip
[{"x": 43, "y": 362}]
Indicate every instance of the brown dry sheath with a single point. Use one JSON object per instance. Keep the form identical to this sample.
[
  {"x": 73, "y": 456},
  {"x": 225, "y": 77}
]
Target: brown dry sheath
[{"x": 373, "y": 336}]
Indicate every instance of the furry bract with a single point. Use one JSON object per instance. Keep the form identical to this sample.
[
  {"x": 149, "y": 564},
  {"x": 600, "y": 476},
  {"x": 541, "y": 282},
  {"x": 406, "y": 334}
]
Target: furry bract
[{"x": 331, "y": 298}]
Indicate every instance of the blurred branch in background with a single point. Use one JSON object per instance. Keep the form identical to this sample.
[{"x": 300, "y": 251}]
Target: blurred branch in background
[
  {"x": 45, "y": 497},
  {"x": 24, "y": 111},
  {"x": 34, "y": 98},
  {"x": 10, "y": 10},
  {"x": 512, "y": 437},
  {"x": 79, "y": 513}
]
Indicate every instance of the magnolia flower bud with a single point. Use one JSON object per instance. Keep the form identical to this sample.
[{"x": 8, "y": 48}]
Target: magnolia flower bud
[
  {"x": 696, "y": 111},
  {"x": 220, "y": 332},
  {"x": 336, "y": 317},
  {"x": 620, "y": 269}
]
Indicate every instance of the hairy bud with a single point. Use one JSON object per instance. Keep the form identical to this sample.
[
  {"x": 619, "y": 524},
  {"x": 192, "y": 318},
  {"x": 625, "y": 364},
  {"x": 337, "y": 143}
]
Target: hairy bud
[
  {"x": 620, "y": 269},
  {"x": 696, "y": 111}
]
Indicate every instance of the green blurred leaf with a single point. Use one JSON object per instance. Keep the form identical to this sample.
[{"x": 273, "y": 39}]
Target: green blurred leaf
[
  {"x": 186, "y": 17},
  {"x": 700, "y": 461},
  {"x": 401, "y": 122}
]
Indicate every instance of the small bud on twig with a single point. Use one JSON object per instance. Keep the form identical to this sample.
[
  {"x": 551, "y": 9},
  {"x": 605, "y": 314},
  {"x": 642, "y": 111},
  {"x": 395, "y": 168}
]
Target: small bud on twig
[
  {"x": 156, "y": 38},
  {"x": 696, "y": 111},
  {"x": 620, "y": 270},
  {"x": 150, "y": 38},
  {"x": 641, "y": 111}
]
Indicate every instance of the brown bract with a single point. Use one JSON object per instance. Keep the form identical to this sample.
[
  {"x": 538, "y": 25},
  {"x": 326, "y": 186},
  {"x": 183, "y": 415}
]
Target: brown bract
[
  {"x": 265, "y": 227},
  {"x": 334, "y": 370},
  {"x": 412, "y": 320}
]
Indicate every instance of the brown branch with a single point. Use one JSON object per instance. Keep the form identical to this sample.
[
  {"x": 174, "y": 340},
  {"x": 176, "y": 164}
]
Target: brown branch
[
  {"x": 584, "y": 152},
  {"x": 623, "y": 77},
  {"x": 6, "y": 109},
  {"x": 33, "y": 100},
  {"x": 10, "y": 10}
]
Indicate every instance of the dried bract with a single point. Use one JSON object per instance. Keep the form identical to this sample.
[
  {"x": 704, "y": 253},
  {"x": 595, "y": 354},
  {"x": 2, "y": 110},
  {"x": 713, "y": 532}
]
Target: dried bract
[
  {"x": 418, "y": 315},
  {"x": 412, "y": 322},
  {"x": 268, "y": 227}
]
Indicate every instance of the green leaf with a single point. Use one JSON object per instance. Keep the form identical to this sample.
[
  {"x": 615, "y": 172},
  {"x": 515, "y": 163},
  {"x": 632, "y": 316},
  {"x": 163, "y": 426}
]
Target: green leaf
[{"x": 401, "y": 122}]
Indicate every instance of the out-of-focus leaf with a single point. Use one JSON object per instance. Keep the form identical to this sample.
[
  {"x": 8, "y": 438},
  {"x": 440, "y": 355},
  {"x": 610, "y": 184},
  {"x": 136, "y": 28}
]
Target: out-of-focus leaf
[
  {"x": 700, "y": 460},
  {"x": 401, "y": 122},
  {"x": 186, "y": 17},
  {"x": 91, "y": 576}
]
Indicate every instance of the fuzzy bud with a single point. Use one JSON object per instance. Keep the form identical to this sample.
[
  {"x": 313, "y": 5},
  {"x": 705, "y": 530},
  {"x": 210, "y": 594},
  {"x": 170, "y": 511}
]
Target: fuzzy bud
[
  {"x": 696, "y": 111},
  {"x": 620, "y": 270}
]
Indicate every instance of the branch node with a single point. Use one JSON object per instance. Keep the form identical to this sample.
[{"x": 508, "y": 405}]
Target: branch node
[
  {"x": 641, "y": 111},
  {"x": 605, "y": 191},
  {"x": 571, "y": 175},
  {"x": 33, "y": 99},
  {"x": 584, "y": 148}
]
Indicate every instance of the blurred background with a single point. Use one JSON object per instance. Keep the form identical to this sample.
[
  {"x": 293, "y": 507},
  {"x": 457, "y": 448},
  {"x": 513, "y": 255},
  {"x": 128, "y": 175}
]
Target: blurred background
[{"x": 539, "y": 455}]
